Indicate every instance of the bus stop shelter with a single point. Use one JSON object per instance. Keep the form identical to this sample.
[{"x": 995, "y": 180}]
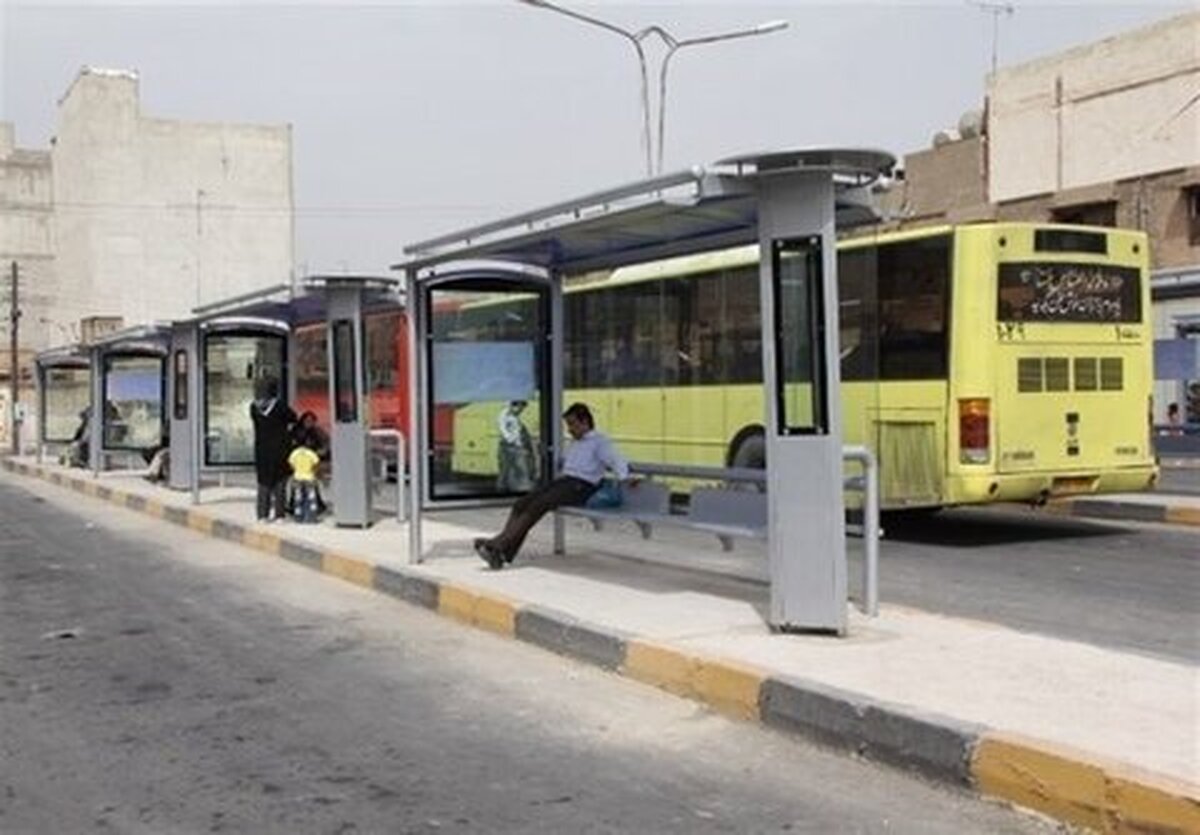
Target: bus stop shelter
[
  {"x": 64, "y": 392},
  {"x": 128, "y": 393},
  {"x": 790, "y": 203},
  {"x": 239, "y": 341}
]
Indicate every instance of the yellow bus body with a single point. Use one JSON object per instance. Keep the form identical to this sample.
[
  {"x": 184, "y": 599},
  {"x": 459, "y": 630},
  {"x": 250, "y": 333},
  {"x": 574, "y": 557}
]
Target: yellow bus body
[{"x": 1065, "y": 441}]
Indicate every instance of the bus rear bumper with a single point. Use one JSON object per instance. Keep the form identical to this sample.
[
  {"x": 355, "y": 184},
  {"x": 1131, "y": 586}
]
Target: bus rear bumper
[{"x": 1038, "y": 487}]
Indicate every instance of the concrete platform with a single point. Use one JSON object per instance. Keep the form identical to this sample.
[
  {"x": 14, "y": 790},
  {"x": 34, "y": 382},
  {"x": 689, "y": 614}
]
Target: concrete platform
[{"x": 1093, "y": 736}]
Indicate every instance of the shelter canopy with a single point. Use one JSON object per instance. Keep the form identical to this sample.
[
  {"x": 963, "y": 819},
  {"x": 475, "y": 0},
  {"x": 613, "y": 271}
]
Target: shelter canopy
[
  {"x": 700, "y": 209},
  {"x": 303, "y": 303}
]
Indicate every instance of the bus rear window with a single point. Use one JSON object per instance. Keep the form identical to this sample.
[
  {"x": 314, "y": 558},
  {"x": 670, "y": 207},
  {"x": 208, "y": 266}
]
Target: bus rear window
[
  {"x": 1070, "y": 240},
  {"x": 1063, "y": 292}
]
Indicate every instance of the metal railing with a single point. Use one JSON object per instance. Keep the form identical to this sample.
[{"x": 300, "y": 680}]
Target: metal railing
[
  {"x": 868, "y": 485},
  {"x": 397, "y": 437}
]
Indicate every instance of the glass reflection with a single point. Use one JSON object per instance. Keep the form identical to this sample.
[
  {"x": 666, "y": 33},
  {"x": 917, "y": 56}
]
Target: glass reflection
[
  {"x": 133, "y": 402},
  {"x": 65, "y": 401},
  {"x": 232, "y": 364},
  {"x": 487, "y": 363}
]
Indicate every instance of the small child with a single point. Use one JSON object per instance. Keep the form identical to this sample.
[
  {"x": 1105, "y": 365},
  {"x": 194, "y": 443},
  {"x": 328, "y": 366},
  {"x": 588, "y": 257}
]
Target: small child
[{"x": 304, "y": 462}]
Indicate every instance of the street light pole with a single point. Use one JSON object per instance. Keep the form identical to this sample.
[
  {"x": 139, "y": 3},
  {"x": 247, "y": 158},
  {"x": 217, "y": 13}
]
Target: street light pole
[
  {"x": 634, "y": 38},
  {"x": 673, "y": 45}
]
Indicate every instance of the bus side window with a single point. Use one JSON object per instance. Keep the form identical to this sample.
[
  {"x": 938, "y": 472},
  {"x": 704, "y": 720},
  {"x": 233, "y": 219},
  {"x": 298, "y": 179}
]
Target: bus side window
[
  {"x": 631, "y": 346},
  {"x": 742, "y": 326},
  {"x": 857, "y": 314},
  {"x": 573, "y": 344},
  {"x": 692, "y": 339},
  {"x": 914, "y": 281}
]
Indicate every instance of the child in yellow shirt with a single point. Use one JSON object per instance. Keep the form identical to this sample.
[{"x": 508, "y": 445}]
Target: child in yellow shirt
[{"x": 304, "y": 462}]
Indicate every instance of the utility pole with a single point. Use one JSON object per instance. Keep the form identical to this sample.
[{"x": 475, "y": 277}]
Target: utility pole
[{"x": 14, "y": 314}]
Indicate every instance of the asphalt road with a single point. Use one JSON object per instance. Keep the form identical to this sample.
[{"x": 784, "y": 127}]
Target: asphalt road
[
  {"x": 1120, "y": 585},
  {"x": 156, "y": 681}
]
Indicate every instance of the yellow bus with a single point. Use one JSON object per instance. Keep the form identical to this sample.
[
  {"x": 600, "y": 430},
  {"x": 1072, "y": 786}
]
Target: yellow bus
[{"x": 983, "y": 362}]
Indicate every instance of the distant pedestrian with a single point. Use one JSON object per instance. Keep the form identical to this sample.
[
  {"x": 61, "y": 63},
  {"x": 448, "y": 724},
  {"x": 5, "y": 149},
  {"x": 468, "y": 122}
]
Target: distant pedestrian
[
  {"x": 588, "y": 457},
  {"x": 273, "y": 421},
  {"x": 1174, "y": 419}
]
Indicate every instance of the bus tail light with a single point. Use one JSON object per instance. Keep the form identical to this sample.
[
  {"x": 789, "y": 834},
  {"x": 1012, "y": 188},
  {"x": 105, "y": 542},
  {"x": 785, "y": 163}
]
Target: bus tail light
[{"x": 974, "y": 433}]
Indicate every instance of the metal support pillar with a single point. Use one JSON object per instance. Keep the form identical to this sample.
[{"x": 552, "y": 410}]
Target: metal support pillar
[
  {"x": 555, "y": 450},
  {"x": 798, "y": 282},
  {"x": 96, "y": 416},
  {"x": 39, "y": 382},
  {"x": 185, "y": 410},
  {"x": 349, "y": 440},
  {"x": 417, "y": 462}
]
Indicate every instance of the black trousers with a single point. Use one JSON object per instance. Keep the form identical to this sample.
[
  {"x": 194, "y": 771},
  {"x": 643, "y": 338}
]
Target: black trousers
[
  {"x": 272, "y": 494},
  {"x": 529, "y": 509}
]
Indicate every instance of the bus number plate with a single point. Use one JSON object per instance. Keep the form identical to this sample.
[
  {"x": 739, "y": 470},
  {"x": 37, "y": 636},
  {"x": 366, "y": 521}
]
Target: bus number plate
[{"x": 1069, "y": 486}]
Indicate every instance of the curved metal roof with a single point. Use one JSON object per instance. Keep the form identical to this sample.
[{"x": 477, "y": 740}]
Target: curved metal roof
[{"x": 702, "y": 208}]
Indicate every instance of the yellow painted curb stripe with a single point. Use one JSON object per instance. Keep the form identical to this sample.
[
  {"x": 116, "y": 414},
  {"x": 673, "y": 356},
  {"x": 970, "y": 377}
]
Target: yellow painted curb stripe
[
  {"x": 492, "y": 613},
  {"x": 1183, "y": 515},
  {"x": 726, "y": 686},
  {"x": 351, "y": 569},
  {"x": 1071, "y": 786},
  {"x": 199, "y": 522},
  {"x": 261, "y": 541}
]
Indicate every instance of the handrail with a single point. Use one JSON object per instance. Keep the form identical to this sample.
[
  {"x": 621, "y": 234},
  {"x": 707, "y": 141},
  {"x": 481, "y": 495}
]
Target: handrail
[
  {"x": 398, "y": 437},
  {"x": 689, "y": 471},
  {"x": 870, "y": 489}
]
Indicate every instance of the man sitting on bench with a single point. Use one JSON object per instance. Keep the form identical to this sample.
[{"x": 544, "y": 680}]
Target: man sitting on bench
[{"x": 588, "y": 456}]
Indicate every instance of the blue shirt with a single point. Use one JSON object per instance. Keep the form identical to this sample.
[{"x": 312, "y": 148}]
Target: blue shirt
[{"x": 591, "y": 455}]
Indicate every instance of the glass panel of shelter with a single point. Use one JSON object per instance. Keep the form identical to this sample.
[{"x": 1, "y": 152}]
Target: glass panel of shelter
[
  {"x": 384, "y": 371},
  {"x": 488, "y": 365},
  {"x": 66, "y": 395},
  {"x": 133, "y": 402},
  {"x": 233, "y": 365}
]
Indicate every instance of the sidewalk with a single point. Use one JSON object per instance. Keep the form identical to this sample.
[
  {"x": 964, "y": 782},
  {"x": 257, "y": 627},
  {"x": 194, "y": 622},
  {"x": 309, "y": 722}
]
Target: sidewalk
[{"x": 1101, "y": 738}]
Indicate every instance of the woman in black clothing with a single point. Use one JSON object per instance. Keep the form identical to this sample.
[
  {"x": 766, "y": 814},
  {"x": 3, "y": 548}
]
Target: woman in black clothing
[{"x": 273, "y": 422}]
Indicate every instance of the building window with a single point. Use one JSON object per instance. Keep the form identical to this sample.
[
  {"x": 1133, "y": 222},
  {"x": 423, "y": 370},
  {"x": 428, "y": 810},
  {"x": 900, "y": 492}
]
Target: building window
[
  {"x": 1087, "y": 214},
  {"x": 1191, "y": 196}
]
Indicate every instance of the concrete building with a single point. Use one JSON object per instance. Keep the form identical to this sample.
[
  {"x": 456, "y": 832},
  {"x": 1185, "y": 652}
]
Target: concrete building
[
  {"x": 1107, "y": 134},
  {"x": 134, "y": 218},
  {"x": 26, "y": 238}
]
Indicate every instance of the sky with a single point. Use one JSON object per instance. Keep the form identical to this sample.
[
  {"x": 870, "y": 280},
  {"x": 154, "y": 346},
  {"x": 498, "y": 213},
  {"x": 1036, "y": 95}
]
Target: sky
[{"x": 411, "y": 120}]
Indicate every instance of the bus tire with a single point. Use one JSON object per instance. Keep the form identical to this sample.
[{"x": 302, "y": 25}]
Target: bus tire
[{"x": 748, "y": 450}]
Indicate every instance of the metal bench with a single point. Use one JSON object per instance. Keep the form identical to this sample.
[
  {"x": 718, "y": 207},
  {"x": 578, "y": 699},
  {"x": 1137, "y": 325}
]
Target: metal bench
[
  {"x": 729, "y": 513},
  {"x": 726, "y": 514}
]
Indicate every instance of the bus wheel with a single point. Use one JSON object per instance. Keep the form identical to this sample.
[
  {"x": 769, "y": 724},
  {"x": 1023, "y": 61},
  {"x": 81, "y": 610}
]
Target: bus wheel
[{"x": 749, "y": 451}]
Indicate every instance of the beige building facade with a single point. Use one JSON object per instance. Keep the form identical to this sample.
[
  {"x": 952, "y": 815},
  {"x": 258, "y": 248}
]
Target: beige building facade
[{"x": 135, "y": 218}]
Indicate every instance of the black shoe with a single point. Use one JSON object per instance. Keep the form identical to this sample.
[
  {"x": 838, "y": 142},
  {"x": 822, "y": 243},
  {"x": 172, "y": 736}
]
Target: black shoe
[{"x": 488, "y": 554}]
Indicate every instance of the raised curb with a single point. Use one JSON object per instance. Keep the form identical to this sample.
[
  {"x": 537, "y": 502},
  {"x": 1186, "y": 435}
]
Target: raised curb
[
  {"x": 936, "y": 746},
  {"x": 1069, "y": 785},
  {"x": 1127, "y": 511}
]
